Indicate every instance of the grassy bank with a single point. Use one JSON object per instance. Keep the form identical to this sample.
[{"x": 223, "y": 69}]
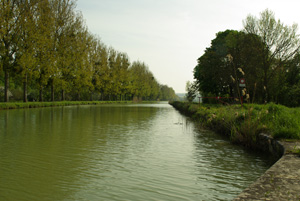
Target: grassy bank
[
  {"x": 20, "y": 105},
  {"x": 243, "y": 124}
]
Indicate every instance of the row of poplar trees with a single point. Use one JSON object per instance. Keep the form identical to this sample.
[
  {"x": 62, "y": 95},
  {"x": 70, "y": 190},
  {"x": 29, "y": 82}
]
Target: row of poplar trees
[
  {"x": 48, "y": 53},
  {"x": 266, "y": 54}
]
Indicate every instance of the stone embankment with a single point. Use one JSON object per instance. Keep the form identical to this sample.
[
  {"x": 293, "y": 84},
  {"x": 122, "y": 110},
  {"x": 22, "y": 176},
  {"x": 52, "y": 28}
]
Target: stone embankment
[{"x": 282, "y": 180}]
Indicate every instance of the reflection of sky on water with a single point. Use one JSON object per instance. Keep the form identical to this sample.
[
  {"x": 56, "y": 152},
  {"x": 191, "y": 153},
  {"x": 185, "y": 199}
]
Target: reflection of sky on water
[{"x": 117, "y": 152}]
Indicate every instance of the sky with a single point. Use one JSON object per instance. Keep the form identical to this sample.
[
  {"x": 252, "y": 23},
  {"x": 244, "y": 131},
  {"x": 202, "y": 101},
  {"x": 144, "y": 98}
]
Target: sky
[{"x": 170, "y": 35}]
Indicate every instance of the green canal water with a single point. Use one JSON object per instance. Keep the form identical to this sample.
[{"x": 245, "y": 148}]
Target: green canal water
[{"x": 118, "y": 152}]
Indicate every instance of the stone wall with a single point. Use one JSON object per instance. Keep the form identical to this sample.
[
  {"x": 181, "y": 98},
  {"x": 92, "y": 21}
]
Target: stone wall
[{"x": 267, "y": 144}]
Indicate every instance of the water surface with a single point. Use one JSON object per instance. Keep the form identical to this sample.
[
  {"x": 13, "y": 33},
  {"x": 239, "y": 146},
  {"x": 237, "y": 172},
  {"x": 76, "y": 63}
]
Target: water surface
[{"x": 118, "y": 152}]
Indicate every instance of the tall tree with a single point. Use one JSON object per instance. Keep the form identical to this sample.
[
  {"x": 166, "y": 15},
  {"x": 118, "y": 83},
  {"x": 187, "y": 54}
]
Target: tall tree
[
  {"x": 167, "y": 93},
  {"x": 281, "y": 43},
  {"x": 44, "y": 51},
  {"x": 191, "y": 89},
  {"x": 123, "y": 72},
  {"x": 81, "y": 45},
  {"x": 138, "y": 76},
  {"x": 101, "y": 69},
  {"x": 233, "y": 55},
  {"x": 63, "y": 14},
  {"x": 290, "y": 88},
  {"x": 213, "y": 72},
  {"x": 25, "y": 54},
  {"x": 10, "y": 29}
]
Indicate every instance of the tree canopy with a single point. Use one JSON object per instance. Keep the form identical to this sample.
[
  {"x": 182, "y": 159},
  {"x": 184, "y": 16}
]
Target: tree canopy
[
  {"x": 265, "y": 54},
  {"x": 281, "y": 44}
]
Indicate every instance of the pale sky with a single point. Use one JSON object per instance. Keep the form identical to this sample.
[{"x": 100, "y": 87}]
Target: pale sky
[{"x": 170, "y": 35}]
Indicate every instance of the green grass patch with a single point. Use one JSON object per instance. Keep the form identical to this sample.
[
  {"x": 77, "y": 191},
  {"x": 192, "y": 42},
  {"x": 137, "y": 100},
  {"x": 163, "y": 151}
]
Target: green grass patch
[
  {"x": 20, "y": 105},
  {"x": 243, "y": 124}
]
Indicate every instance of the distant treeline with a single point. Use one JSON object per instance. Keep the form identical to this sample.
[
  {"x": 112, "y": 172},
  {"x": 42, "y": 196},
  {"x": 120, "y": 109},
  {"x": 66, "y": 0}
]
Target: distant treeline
[
  {"x": 47, "y": 53},
  {"x": 265, "y": 53}
]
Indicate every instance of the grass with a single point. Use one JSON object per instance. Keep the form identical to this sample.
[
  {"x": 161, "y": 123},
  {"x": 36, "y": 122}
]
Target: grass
[
  {"x": 296, "y": 151},
  {"x": 20, "y": 105},
  {"x": 243, "y": 124}
]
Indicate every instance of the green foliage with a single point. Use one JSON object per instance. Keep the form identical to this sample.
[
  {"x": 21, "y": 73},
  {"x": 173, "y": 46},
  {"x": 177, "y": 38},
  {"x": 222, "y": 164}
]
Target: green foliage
[
  {"x": 243, "y": 124},
  {"x": 191, "y": 89},
  {"x": 46, "y": 48},
  {"x": 284, "y": 122},
  {"x": 265, "y": 53},
  {"x": 233, "y": 55},
  {"x": 281, "y": 46},
  {"x": 167, "y": 93}
]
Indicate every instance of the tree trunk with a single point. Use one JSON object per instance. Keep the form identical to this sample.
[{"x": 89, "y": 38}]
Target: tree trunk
[
  {"x": 41, "y": 94},
  {"x": 52, "y": 90},
  {"x": 6, "y": 86},
  {"x": 266, "y": 89},
  {"x": 62, "y": 95},
  {"x": 25, "y": 90}
]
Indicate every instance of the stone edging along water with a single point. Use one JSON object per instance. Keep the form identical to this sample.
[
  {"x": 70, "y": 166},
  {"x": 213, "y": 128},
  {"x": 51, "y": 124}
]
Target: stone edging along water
[{"x": 282, "y": 180}]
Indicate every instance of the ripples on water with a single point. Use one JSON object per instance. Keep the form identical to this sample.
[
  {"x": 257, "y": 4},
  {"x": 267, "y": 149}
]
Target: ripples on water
[{"x": 118, "y": 152}]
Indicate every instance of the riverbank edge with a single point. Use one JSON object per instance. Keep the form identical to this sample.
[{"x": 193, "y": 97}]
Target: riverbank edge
[
  {"x": 282, "y": 180},
  {"x": 21, "y": 105}
]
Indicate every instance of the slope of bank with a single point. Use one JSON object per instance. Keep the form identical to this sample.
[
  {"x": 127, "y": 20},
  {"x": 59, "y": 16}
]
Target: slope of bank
[
  {"x": 246, "y": 125},
  {"x": 243, "y": 124}
]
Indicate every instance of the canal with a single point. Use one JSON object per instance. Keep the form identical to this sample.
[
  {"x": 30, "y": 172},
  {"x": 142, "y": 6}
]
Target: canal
[{"x": 118, "y": 152}]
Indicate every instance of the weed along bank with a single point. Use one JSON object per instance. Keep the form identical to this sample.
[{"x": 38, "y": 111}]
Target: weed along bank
[{"x": 271, "y": 129}]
